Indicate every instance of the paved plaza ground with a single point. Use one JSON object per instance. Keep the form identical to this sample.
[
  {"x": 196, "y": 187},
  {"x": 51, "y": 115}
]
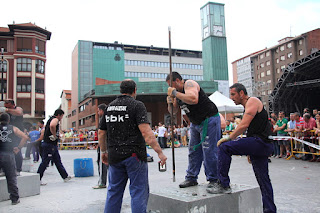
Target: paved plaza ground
[{"x": 296, "y": 184}]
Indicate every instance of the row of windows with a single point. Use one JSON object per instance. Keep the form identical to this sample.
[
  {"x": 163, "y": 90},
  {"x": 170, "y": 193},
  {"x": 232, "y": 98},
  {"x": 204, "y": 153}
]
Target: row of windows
[
  {"x": 25, "y": 64},
  {"x": 160, "y": 75},
  {"x": 162, "y": 64},
  {"x": 82, "y": 121},
  {"x": 83, "y": 106},
  {"x": 25, "y": 45},
  {"x": 24, "y": 85},
  {"x": 107, "y": 48}
]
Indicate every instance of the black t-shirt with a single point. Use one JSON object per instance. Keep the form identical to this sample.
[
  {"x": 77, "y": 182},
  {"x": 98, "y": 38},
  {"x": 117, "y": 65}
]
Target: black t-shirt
[
  {"x": 7, "y": 138},
  {"x": 121, "y": 120}
]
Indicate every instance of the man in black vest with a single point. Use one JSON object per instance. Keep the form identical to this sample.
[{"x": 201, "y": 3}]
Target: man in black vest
[
  {"x": 9, "y": 134},
  {"x": 257, "y": 146},
  {"x": 16, "y": 119},
  {"x": 50, "y": 148},
  {"x": 205, "y": 128}
]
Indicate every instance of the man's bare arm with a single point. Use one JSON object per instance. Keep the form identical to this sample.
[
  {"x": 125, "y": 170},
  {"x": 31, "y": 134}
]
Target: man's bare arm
[
  {"x": 18, "y": 111},
  {"x": 191, "y": 95}
]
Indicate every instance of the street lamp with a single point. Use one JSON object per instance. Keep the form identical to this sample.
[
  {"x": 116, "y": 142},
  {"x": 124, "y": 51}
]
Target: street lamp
[{"x": 2, "y": 81}]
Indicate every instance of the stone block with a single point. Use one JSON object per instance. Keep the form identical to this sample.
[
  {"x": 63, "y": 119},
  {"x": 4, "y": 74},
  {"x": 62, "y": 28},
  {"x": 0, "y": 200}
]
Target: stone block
[
  {"x": 243, "y": 199},
  {"x": 28, "y": 185}
]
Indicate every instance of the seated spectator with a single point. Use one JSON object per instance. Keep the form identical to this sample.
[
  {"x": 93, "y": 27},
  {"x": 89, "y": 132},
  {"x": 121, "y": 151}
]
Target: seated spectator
[
  {"x": 317, "y": 131},
  {"x": 314, "y": 112},
  {"x": 229, "y": 126}
]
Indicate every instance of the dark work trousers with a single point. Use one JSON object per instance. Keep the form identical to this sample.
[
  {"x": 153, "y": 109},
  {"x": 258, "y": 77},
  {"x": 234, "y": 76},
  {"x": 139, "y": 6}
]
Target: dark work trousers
[
  {"x": 162, "y": 142},
  {"x": 259, "y": 151},
  {"x": 28, "y": 150},
  {"x": 102, "y": 169},
  {"x": 8, "y": 165},
  {"x": 50, "y": 152},
  {"x": 18, "y": 160},
  {"x": 34, "y": 148}
]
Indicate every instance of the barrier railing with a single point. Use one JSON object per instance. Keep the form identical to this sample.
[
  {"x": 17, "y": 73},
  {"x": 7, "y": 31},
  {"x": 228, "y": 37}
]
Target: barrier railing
[{"x": 74, "y": 142}]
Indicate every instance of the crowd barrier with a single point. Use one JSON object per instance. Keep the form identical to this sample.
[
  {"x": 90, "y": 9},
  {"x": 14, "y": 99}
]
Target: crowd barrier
[{"x": 74, "y": 142}]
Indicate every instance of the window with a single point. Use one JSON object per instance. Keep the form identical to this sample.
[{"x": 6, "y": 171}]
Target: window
[
  {"x": 23, "y": 84},
  {"x": 24, "y": 44},
  {"x": 262, "y": 74},
  {"x": 300, "y": 41},
  {"x": 282, "y": 58},
  {"x": 268, "y": 53},
  {"x": 268, "y": 63},
  {"x": 4, "y": 64},
  {"x": 277, "y": 60},
  {"x": 24, "y": 64},
  {"x": 300, "y": 52},
  {"x": 263, "y": 93},
  {"x": 283, "y": 67},
  {"x": 282, "y": 48},
  {"x": 74, "y": 112},
  {"x": 261, "y": 56},
  {"x": 40, "y": 47},
  {"x": 262, "y": 65},
  {"x": 4, "y": 86},
  {"x": 289, "y": 45},
  {"x": 289, "y": 55},
  {"x": 268, "y": 82},
  {"x": 40, "y": 66},
  {"x": 269, "y": 92},
  {"x": 3, "y": 43},
  {"x": 74, "y": 124},
  {"x": 278, "y": 70},
  {"x": 39, "y": 85},
  {"x": 268, "y": 72}
]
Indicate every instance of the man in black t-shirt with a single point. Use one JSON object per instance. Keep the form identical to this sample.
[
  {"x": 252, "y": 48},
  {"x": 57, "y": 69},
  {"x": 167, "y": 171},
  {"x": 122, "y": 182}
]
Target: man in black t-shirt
[{"x": 126, "y": 127}]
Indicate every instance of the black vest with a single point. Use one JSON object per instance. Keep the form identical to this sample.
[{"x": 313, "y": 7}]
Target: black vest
[
  {"x": 47, "y": 132},
  {"x": 7, "y": 138},
  {"x": 16, "y": 121},
  {"x": 260, "y": 126},
  {"x": 197, "y": 113}
]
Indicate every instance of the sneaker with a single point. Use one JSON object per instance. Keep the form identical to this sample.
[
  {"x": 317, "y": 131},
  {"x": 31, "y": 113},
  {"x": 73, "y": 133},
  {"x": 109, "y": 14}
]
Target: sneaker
[
  {"x": 26, "y": 158},
  {"x": 67, "y": 179},
  {"x": 99, "y": 186},
  {"x": 18, "y": 173},
  {"x": 188, "y": 183},
  {"x": 269, "y": 160},
  {"x": 212, "y": 183},
  {"x": 2, "y": 174},
  {"x": 15, "y": 202},
  {"x": 219, "y": 189},
  {"x": 42, "y": 183}
]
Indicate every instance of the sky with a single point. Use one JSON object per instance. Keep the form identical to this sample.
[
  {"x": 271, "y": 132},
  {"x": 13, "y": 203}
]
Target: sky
[{"x": 251, "y": 25}]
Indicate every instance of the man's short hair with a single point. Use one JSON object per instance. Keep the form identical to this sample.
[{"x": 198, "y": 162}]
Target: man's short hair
[
  {"x": 9, "y": 101},
  {"x": 175, "y": 76},
  {"x": 239, "y": 87},
  {"x": 41, "y": 122},
  {"x": 102, "y": 107},
  {"x": 297, "y": 114},
  {"x": 306, "y": 115},
  {"x": 4, "y": 118},
  {"x": 58, "y": 112},
  {"x": 127, "y": 86}
]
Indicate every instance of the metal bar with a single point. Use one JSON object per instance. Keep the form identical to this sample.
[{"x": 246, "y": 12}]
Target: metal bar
[
  {"x": 172, "y": 136},
  {"x": 2, "y": 81}
]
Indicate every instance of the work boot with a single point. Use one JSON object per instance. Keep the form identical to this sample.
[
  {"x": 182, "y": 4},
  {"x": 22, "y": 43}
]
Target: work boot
[
  {"x": 15, "y": 202},
  {"x": 188, "y": 183},
  {"x": 212, "y": 183},
  {"x": 218, "y": 188}
]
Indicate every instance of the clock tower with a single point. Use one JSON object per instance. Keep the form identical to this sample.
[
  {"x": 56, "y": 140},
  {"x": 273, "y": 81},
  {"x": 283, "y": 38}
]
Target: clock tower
[{"x": 214, "y": 45}]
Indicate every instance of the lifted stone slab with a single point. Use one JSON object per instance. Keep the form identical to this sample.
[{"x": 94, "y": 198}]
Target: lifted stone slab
[
  {"x": 28, "y": 185},
  {"x": 243, "y": 199}
]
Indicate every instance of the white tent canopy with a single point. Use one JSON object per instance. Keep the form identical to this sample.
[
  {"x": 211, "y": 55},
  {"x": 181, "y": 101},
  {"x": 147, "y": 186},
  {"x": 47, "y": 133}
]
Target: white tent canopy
[{"x": 225, "y": 104}]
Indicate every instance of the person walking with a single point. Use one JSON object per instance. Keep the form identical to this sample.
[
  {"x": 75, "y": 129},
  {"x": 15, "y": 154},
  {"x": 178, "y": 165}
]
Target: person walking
[
  {"x": 8, "y": 148},
  {"x": 126, "y": 127},
  {"x": 205, "y": 128},
  {"x": 257, "y": 146},
  {"x": 50, "y": 148},
  {"x": 102, "y": 168}
]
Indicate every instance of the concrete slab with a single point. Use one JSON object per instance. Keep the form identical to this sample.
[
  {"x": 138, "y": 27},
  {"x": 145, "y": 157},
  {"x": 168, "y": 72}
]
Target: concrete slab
[
  {"x": 243, "y": 199},
  {"x": 28, "y": 185}
]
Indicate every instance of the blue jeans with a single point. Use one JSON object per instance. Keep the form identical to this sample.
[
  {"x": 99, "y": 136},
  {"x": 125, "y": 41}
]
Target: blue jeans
[
  {"x": 258, "y": 150},
  {"x": 50, "y": 152},
  {"x": 135, "y": 170},
  {"x": 8, "y": 164},
  {"x": 206, "y": 152}
]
